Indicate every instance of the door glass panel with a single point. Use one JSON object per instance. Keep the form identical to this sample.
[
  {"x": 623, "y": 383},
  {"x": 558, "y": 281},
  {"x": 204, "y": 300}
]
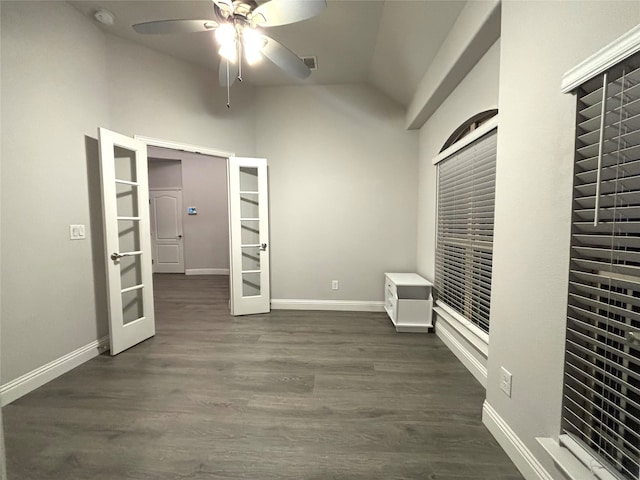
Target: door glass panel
[
  {"x": 127, "y": 200},
  {"x": 250, "y": 284},
  {"x": 132, "y": 306},
  {"x": 130, "y": 271},
  {"x": 250, "y": 258},
  {"x": 127, "y": 204},
  {"x": 128, "y": 236},
  {"x": 248, "y": 179},
  {"x": 249, "y": 232},
  {"x": 125, "y": 164},
  {"x": 249, "y": 205}
]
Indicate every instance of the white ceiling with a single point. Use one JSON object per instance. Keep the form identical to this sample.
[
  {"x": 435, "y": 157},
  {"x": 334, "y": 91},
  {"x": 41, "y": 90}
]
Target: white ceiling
[{"x": 387, "y": 43}]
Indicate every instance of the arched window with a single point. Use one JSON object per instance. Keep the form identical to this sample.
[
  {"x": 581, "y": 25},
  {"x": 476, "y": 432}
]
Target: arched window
[
  {"x": 469, "y": 126},
  {"x": 464, "y": 242}
]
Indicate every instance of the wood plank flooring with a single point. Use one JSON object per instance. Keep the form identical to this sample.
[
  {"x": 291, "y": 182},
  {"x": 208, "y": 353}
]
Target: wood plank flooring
[{"x": 288, "y": 395}]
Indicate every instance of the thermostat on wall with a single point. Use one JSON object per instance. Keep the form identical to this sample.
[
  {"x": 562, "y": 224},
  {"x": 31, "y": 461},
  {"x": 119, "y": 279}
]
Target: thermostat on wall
[{"x": 192, "y": 211}]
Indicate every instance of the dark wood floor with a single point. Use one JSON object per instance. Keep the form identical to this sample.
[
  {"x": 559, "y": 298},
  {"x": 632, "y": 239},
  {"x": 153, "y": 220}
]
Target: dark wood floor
[{"x": 288, "y": 395}]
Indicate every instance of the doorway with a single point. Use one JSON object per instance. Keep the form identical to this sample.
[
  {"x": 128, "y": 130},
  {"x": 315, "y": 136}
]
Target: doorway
[
  {"x": 243, "y": 195},
  {"x": 189, "y": 208}
]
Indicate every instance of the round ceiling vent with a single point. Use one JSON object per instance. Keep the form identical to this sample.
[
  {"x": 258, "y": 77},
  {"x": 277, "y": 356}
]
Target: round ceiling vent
[{"x": 105, "y": 17}]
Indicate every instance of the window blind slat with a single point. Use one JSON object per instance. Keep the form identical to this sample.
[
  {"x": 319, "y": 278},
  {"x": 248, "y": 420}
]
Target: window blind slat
[{"x": 578, "y": 400}]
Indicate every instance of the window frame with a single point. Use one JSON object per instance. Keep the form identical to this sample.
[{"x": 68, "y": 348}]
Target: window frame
[
  {"x": 575, "y": 458},
  {"x": 477, "y": 337}
]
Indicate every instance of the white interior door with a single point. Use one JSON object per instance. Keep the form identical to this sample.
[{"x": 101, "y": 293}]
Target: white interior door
[
  {"x": 166, "y": 231},
  {"x": 249, "y": 227},
  {"x": 125, "y": 205}
]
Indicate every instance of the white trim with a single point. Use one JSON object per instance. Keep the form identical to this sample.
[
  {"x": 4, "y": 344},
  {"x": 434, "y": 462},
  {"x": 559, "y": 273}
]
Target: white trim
[
  {"x": 413, "y": 328},
  {"x": 573, "y": 461},
  {"x": 477, "y": 369},
  {"x": 334, "y": 305},
  {"x": 206, "y": 271},
  {"x": 156, "y": 142},
  {"x": 36, "y": 378},
  {"x": 520, "y": 455},
  {"x": 482, "y": 130},
  {"x": 605, "y": 58},
  {"x": 470, "y": 332}
]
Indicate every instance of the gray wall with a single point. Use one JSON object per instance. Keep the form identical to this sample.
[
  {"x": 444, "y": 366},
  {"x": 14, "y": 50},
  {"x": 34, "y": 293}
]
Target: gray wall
[
  {"x": 164, "y": 173},
  {"x": 477, "y": 92},
  {"x": 203, "y": 179},
  {"x": 343, "y": 190},
  {"x": 53, "y": 99},
  {"x": 157, "y": 96},
  {"x": 540, "y": 42}
]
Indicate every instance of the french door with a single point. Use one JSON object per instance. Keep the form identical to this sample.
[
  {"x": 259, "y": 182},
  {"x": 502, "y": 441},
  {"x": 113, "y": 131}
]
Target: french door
[
  {"x": 249, "y": 243},
  {"x": 125, "y": 210}
]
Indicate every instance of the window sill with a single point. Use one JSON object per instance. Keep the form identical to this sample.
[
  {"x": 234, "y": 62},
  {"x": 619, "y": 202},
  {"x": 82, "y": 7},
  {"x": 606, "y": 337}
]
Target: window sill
[
  {"x": 572, "y": 460},
  {"x": 472, "y": 334}
]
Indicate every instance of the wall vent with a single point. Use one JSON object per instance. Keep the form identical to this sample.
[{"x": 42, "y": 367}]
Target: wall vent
[{"x": 311, "y": 62}]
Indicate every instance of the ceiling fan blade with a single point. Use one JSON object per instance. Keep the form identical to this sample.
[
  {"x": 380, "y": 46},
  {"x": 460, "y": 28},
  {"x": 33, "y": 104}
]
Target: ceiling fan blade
[
  {"x": 285, "y": 58},
  {"x": 176, "y": 26},
  {"x": 225, "y": 6},
  {"x": 282, "y": 12},
  {"x": 222, "y": 73}
]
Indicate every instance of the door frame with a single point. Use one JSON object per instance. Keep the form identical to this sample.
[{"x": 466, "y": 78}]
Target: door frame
[{"x": 186, "y": 147}]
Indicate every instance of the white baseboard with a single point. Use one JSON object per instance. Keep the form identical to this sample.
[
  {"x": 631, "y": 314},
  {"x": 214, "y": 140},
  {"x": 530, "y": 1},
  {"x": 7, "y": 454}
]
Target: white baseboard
[
  {"x": 477, "y": 369},
  {"x": 335, "y": 305},
  {"x": 413, "y": 328},
  {"x": 206, "y": 271},
  {"x": 520, "y": 455},
  {"x": 36, "y": 378}
]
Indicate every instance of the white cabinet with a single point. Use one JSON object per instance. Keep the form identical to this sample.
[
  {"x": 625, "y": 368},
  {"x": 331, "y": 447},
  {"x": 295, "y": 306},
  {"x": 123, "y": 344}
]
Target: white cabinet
[{"x": 408, "y": 301}]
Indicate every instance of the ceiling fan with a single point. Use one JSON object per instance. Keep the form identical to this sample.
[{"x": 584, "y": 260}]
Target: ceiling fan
[{"x": 237, "y": 25}]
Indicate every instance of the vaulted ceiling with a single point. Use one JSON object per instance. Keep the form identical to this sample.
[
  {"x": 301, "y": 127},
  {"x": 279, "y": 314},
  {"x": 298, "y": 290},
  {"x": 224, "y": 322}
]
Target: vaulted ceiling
[{"x": 387, "y": 43}]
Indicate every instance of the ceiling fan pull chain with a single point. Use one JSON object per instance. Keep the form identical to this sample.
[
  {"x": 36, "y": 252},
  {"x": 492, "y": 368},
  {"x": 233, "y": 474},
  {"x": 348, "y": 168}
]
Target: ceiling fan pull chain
[
  {"x": 239, "y": 61},
  {"x": 228, "y": 87}
]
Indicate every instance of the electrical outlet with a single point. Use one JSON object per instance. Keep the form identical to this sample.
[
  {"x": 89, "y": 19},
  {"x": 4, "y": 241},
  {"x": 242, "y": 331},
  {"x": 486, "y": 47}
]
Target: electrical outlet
[
  {"x": 505, "y": 381},
  {"x": 334, "y": 285}
]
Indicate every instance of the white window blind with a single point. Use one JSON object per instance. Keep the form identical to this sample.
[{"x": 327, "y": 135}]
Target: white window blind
[
  {"x": 464, "y": 248},
  {"x": 601, "y": 407}
]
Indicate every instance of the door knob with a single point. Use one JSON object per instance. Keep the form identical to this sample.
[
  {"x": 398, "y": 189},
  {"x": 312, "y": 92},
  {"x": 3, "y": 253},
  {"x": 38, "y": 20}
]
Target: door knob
[
  {"x": 263, "y": 247},
  {"x": 179, "y": 236}
]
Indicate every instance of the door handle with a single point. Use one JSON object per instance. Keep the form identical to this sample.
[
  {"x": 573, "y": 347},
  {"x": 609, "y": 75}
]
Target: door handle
[
  {"x": 179, "y": 236},
  {"x": 263, "y": 247},
  {"x": 116, "y": 255}
]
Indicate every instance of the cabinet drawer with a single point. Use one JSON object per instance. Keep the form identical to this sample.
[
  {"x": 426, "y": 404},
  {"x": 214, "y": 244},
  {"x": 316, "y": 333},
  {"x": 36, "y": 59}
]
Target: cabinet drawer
[
  {"x": 391, "y": 306},
  {"x": 390, "y": 287}
]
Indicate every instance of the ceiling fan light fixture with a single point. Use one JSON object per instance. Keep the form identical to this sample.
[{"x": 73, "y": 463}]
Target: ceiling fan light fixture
[
  {"x": 253, "y": 42},
  {"x": 226, "y": 34},
  {"x": 229, "y": 51},
  {"x": 252, "y": 56}
]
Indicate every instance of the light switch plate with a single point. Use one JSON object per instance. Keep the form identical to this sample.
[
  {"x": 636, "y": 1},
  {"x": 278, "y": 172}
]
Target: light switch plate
[
  {"x": 505, "y": 381},
  {"x": 76, "y": 232}
]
